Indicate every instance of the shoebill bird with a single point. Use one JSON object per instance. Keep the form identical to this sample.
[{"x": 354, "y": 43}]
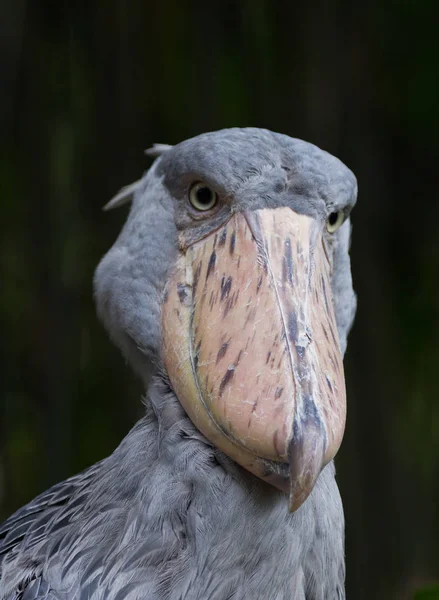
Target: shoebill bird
[{"x": 229, "y": 291}]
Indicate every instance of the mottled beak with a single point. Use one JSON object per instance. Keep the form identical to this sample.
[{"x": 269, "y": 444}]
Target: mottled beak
[{"x": 251, "y": 347}]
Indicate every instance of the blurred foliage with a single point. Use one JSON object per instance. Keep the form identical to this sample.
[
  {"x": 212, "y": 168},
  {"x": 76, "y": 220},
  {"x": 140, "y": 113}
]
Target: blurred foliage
[
  {"x": 88, "y": 86},
  {"x": 430, "y": 593}
]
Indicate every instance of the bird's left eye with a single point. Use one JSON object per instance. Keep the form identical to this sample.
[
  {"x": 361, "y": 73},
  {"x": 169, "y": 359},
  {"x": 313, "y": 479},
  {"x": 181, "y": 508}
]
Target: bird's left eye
[
  {"x": 202, "y": 197},
  {"x": 335, "y": 220}
]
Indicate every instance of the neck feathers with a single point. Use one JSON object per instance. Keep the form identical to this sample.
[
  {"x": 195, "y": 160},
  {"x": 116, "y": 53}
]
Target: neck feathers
[{"x": 213, "y": 526}]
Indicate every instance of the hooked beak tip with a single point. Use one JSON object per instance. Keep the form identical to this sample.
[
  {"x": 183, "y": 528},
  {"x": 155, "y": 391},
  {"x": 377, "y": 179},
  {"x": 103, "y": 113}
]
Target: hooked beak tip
[{"x": 306, "y": 457}]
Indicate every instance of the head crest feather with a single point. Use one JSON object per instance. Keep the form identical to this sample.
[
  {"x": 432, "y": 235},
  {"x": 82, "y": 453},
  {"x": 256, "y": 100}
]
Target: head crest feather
[
  {"x": 126, "y": 194},
  {"x": 157, "y": 149}
]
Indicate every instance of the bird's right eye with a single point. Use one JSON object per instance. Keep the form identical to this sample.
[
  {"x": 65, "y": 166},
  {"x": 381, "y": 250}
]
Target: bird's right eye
[{"x": 202, "y": 197}]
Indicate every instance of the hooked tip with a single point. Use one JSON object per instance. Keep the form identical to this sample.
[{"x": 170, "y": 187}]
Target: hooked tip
[{"x": 306, "y": 454}]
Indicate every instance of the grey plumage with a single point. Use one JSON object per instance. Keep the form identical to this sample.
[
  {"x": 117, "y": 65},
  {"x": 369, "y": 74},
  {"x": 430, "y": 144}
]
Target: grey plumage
[
  {"x": 157, "y": 150},
  {"x": 167, "y": 515},
  {"x": 124, "y": 196}
]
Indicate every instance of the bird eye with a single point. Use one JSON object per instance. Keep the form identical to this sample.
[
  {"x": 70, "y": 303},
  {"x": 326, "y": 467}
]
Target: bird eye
[
  {"x": 202, "y": 197},
  {"x": 335, "y": 220}
]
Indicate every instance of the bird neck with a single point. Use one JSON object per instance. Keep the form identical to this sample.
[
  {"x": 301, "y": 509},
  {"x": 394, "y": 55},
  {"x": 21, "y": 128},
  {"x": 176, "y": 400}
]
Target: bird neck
[
  {"x": 176, "y": 434},
  {"x": 224, "y": 521},
  {"x": 164, "y": 405}
]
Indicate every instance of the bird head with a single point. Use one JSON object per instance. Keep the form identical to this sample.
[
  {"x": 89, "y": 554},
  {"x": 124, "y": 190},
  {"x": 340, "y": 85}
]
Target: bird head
[{"x": 231, "y": 277}]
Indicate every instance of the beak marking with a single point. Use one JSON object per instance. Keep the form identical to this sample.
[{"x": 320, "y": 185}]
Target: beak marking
[
  {"x": 211, "y": 265},
  {"x": 287, "y": 262},
  {"x": 222, "y": 351},
  {"x": 232, "y": 243},
  {"x": 223, "y": 238}
]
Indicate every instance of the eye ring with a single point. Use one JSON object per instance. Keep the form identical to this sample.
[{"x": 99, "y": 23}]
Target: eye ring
[
  {"x": 202, "y": 197},
  {"x": 334, "y": 221}
]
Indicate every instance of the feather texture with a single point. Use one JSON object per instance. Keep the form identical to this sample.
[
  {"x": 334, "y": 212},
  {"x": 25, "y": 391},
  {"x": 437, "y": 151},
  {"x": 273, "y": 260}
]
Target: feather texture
[{"x": 167, "y": 516}]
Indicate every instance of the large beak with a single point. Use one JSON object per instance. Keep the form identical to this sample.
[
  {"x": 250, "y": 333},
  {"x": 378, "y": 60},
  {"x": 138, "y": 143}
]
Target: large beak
[{"x": 251, "y": 347}]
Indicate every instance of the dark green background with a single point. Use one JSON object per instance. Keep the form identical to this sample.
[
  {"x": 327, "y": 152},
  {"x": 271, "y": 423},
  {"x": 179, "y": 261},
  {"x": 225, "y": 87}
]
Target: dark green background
[{"x": 86, "y": 86}]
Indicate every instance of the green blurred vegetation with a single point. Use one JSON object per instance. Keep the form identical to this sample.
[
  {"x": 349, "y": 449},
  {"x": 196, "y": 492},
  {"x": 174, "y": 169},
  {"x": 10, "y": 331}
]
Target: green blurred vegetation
[
  {"x": 428, "y": 593},
  {"x": 86, "y": 87}
]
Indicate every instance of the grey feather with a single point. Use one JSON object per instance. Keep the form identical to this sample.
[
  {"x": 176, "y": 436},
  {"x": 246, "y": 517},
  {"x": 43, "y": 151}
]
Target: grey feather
[
  {"x": 36, "y": 589},
  {"x": 167, "y": 516},
  {"x": 124, "y": 196},
  {"x": 157, "y": 150}
]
